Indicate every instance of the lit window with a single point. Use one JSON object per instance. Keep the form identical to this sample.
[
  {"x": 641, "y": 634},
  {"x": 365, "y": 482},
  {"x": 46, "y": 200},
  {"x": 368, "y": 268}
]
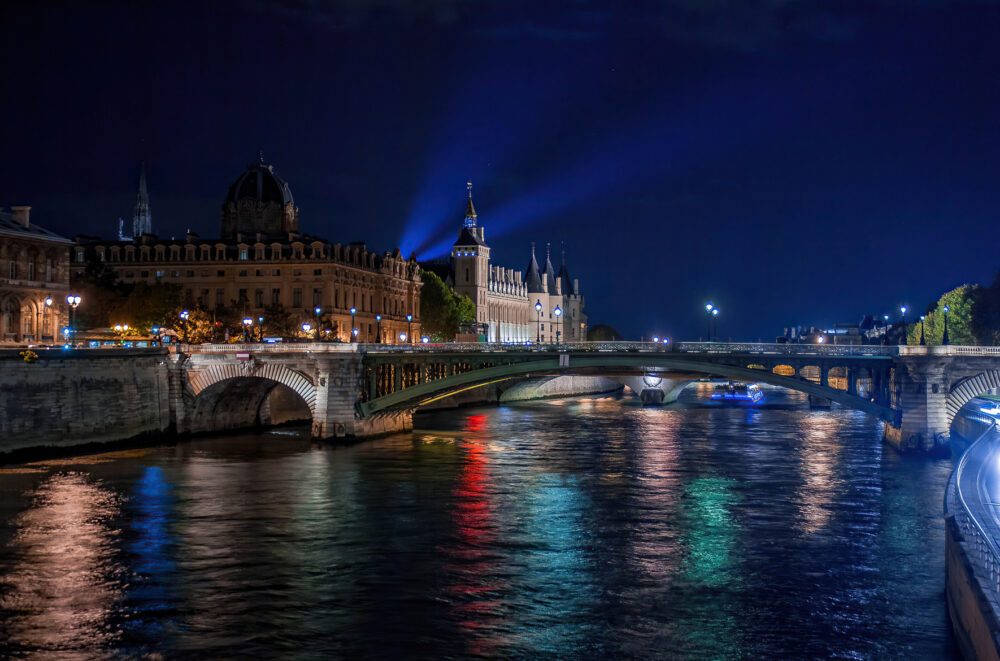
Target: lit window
[{"x": 243, "y": 254}]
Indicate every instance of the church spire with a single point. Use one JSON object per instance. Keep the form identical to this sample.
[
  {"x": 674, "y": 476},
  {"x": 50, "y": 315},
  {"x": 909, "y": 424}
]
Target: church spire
[
  {"x": 470, "y": 211},
  {"x": 142, "y": 222}
]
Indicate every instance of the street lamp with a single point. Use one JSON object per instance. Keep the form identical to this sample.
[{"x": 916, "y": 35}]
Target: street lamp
[
  {"x": 944, "y": 340},
  {"x": 656, "y": 339},
  {"x": 354, "y": 329},
  {"x": 73, "y": 301},
  {"x": 902, "y": 315},
  {"x": 819, "y": 339},
  {"x": 713, "y": 320},
  {"x": 922, "y": 340},
  {"x": 538, "y": 309},
  {"x": 354, "y": 334},
  {"x": 885, "y": 329},
  {"x": 402, "y": 338},
  {"x": 260, "y": 328},
  {"x": 708, "y": 311},
  {"x": 306, "y": 327},
  {"x": 45, "y": 313},
  {"x": 247, "y": 323},
  {"x": 378, "y": 329},
  {"x": 425, "y": 339},
  {"x": 409, "y": 327},
  {"x": 122, "y": 331},
  {"x": 558, "y": 313},
  {"x": 184, "y": 316}
]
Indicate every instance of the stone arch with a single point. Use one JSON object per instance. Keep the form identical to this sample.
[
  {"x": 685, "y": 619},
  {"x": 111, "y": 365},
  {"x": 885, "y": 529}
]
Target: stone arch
[
  {"x": 784, "y": 370},
  {"x": 968, "y": 388},
  {"x": 203, "y": 378}
]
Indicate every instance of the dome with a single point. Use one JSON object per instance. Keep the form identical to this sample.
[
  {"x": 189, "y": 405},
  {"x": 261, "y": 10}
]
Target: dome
[{"x": 259, "y": 182}]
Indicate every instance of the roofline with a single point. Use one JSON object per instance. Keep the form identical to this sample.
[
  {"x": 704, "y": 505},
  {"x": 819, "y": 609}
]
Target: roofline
[{"x": 53, "y": 238}]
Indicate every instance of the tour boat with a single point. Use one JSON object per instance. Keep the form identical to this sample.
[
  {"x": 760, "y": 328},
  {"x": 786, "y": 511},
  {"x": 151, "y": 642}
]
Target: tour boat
[{"x": 736, "y": 391}]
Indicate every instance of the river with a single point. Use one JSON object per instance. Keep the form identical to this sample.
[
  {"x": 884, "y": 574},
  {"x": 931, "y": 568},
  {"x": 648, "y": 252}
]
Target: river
[{"x": 585, "y": 528}]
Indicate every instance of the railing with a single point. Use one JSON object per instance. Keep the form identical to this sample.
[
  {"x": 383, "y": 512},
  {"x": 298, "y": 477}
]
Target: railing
[
  {"x": 978, "y": 541},
  {"x": 753, "y": 348},
  {"x": 949, "y": 350}
]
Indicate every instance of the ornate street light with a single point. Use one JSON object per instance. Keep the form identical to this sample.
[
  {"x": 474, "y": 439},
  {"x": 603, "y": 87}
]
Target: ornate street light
[
  {"x": 306, "y": 327},
  {"x": 73, "y": 301},
  {"x": 885, "y": 328},
  {"x": 402, "y": 338},
  {"x": 184, "y": 316},
  {"x": 944, "y": 340},
  {"x": 378, "y": 329},
  {"x": 714, "y": 323},
  {"x": 708, "y": 312},
  {"x": 538, "y": 309},
  {"x": 354, "y": 328},
  {"x": 260, "y": 328},
  {"x": 409, "y": 327},
  {"x": 558, "y": 313},
  {"x": 656, "y": 339},
  {"x": 425, "y": 339},
  {"x": 922, "y": 340},
  {"x": 45, "y": 313},
  {"x": 902, "y": 315},
  {"x": 247, "y": 323}
]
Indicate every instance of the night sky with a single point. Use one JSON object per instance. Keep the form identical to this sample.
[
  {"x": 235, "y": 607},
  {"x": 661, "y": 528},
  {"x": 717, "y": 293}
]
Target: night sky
[{"x": 792, "y": 161}]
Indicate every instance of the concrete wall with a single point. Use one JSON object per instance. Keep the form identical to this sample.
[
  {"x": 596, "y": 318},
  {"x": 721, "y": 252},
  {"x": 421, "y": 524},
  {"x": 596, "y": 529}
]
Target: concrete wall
[
  {"x": 559, "y": 386},
  {"x": 68, "y": 398},
  {"x": 972, "y": 614}
]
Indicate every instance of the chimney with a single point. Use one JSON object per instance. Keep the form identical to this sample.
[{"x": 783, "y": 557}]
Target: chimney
[
  {"x": 576, "y": 285},
  {"x": 21, "y": 214}
]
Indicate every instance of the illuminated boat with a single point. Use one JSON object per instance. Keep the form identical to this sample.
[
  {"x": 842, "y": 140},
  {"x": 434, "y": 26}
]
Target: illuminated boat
[{"x": 738, "y": 392}]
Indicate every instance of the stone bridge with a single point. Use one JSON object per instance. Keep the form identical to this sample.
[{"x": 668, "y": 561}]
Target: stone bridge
[{"x": 363, "y": 390}]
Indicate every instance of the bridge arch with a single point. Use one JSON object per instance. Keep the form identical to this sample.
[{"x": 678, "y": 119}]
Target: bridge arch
[
  {"x": 964, "y": 391},
  {"x": 607, "y": 364},
  {"x": 234, "y": 396}
]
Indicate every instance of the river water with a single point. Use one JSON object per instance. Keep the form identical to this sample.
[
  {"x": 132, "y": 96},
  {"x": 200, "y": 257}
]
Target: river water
[{"x": 573, "y": 529}]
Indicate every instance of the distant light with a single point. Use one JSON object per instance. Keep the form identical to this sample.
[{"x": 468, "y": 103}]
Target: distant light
[
  {"x": 247, "y": 321},
  {"x": 317, "y": 310},
  {"x": 378, "y": 317},
  {"x": 402, "y": 337},
  {"x": 307, "y": 327},
  {"x": 946, "y": 309},
  {"x": 354, "y": 310},
  {"x": 409, "y": 317},
  {"x": 715, "y": 312},
  {"x": 819, "y": 340},
  {"x": 666, "y": 340},
  {"x": 708, "y": 307},
  {"x": 921, "y": 317},
  {"x": 425, "y": 339},
  {"x": 354, "y": 332},
  {"x": 48, "y": 300},
  {"x": 656, "y": 338},
  {"x": 902, "y": 309}
]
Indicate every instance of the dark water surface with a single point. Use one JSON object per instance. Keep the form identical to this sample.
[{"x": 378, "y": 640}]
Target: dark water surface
[{"x": 583, "y": 528}]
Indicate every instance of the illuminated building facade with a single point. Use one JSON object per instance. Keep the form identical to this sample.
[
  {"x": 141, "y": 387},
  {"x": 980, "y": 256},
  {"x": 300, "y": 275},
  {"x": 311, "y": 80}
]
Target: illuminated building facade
[
  {"x": 261, "y": 260},
  {"x": 34, "y": 280},
  {"x": 511, "y": 306}
]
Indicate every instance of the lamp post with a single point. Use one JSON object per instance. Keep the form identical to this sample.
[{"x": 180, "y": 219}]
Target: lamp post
[
  {"x": 306, "y": 327},
  {"x": 944, "y": 340},
  {"x": 402, "y": 338},
  {"x": 354, "y": 329},
  {"x": 318, "y": 311},
  {"x": 902, "y": 315},
  {"x": 260, "y": 328},
  {"x": 656, "y": 339},
  {"x": 409, "y": 327},
  {"x": 715, "y": 321},
  {"x": 922, "y": 340},
  {"x": 122, "y": 331},
  {"x": 247, "y": 323},
  {"x": 538, "y": 309},
  {"x": 708, "y": 311},
  {"x": 45, "y": 313},
  {"x": 885, "y": 328},
  {"x": 558, "y": 313},
  {"x": 184, "y": 316},
  {"x": 378, "y": 329},
  {"x": 425, "y": 339},
  {"x": 73, "y": 300}
]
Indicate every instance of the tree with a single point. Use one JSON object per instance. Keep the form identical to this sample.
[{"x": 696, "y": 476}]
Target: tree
[
  {"x": 603, "y": 333},
  {"x": 147, "y": 306},
  {"x": 963, "y": 306},
  {"x": 442, "y": 310},
  {"x": 100, "y": 293}
]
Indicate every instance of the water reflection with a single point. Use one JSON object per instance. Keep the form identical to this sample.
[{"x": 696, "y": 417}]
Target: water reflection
[
  {"x": 819, "y": 466},
  {"x": 64, "y": 581}
]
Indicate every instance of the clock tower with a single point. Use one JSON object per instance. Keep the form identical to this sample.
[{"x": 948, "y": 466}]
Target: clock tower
[{"x": 470, "y": 259}]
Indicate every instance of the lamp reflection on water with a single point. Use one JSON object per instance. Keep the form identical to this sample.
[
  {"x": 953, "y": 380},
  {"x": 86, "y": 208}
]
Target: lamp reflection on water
[{"x": 64, "y": 582}]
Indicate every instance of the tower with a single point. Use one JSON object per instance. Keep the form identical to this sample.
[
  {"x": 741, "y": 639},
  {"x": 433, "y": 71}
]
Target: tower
[
  {"x": 142, "y": 222},
  {"x": 470, "y": 259}
]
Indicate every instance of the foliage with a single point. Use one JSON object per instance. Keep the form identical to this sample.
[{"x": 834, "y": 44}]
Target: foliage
[
  {"x": 442, "y": 310},
  {"x": 963, "y": 307},
  {"x": 147, "y": 306},
  {"x": 603, "y": 333},
  {"x": 28, "y": 356},
  {"x": 100, "y": 294},
  {"x": 986, "y": 321}
]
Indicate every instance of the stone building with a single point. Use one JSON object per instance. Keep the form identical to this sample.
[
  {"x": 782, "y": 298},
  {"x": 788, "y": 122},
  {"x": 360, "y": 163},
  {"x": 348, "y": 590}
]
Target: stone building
[
  {"x": 506, "y": 300},
  {"x": 261, "y": 260},
  {"x": 34, "y": 280}
]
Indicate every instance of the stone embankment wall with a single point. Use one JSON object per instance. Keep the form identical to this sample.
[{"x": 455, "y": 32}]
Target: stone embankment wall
[{"x": 68, "y": 398}]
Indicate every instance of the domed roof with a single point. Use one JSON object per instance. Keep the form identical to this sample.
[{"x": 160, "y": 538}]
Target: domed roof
[{"x": 259, "y": 182}]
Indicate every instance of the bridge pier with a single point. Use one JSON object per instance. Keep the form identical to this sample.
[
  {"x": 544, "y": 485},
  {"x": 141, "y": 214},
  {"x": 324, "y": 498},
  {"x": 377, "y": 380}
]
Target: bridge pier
[
  {"x": 654, "y": 391},
  {"x": 922, "y": 399},
  {"x": 338, "y": 382}
]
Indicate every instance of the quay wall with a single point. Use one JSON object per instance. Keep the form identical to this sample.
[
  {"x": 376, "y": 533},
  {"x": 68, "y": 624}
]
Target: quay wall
[{"x": 70, "y": 398}]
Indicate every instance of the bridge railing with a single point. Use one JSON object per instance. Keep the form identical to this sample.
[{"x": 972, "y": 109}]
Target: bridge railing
[
  {"x": 966, "y": 491},
  {"x": 755, "y": 348},
  {"x": 949, "y": 350}
]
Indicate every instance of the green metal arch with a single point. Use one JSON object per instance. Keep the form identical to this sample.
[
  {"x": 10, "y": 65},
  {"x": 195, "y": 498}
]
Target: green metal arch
[{"x": 414, "y": 396}]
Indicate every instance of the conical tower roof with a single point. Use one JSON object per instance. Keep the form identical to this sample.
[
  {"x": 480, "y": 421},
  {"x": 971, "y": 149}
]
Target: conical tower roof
[
  {"x": 532, "y": 278},
  {"x": 549, "y": 273},
  {"x": 567, "y": 282}
]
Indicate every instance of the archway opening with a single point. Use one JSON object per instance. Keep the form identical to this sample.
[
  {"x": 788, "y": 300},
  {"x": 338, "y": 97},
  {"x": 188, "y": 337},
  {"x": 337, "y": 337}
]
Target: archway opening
[{"x": 244, "y": 403}]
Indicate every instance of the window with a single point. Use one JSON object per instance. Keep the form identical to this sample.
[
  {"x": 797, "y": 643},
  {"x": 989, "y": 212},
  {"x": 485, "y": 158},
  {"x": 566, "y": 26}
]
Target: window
[
  {"x": 317, "y": 297},
  {"x": 243, "y": 296},
  {"x": 189, "y": 274},
  {"x": 275, "y": 296},
  {"x": 220, "y": 273},
  {"x": 203, "y": 299},
  {"x": 143, "y": 274},
  {"x": 48, "y": 270},
  {"x": 205, "y": 255},
  {"x": 129, "y": 274},
  {"x": 243, "y": 254},
  {"x": 297, "y": 272},
  {"x": 159, "y": 274},
  {"x": 12, "y": 270},
  {"x": 177, "y": 274},
  {"x": 296, "y": 298},
  {"x": 79, "y": 256},
  {"x": 317, "y": 271},
  {"x": 220, "y": 297},
  {"x": 259, "y": 272},
  {"x": 258, "y": 298},
  {"x": 243, "y": 273},
  {"x": 467, "y": 275},
  {"x": 336, "y": 298},
  {"x": 276, "y": 272},
  {"x": 220, "y": 253}
]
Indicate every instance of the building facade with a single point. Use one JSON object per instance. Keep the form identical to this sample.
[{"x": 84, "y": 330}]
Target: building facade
[
  {"x": 34, "y": 280},
  {"x": 540, "y": 305},
  {"x": 261, "y": 261}
]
